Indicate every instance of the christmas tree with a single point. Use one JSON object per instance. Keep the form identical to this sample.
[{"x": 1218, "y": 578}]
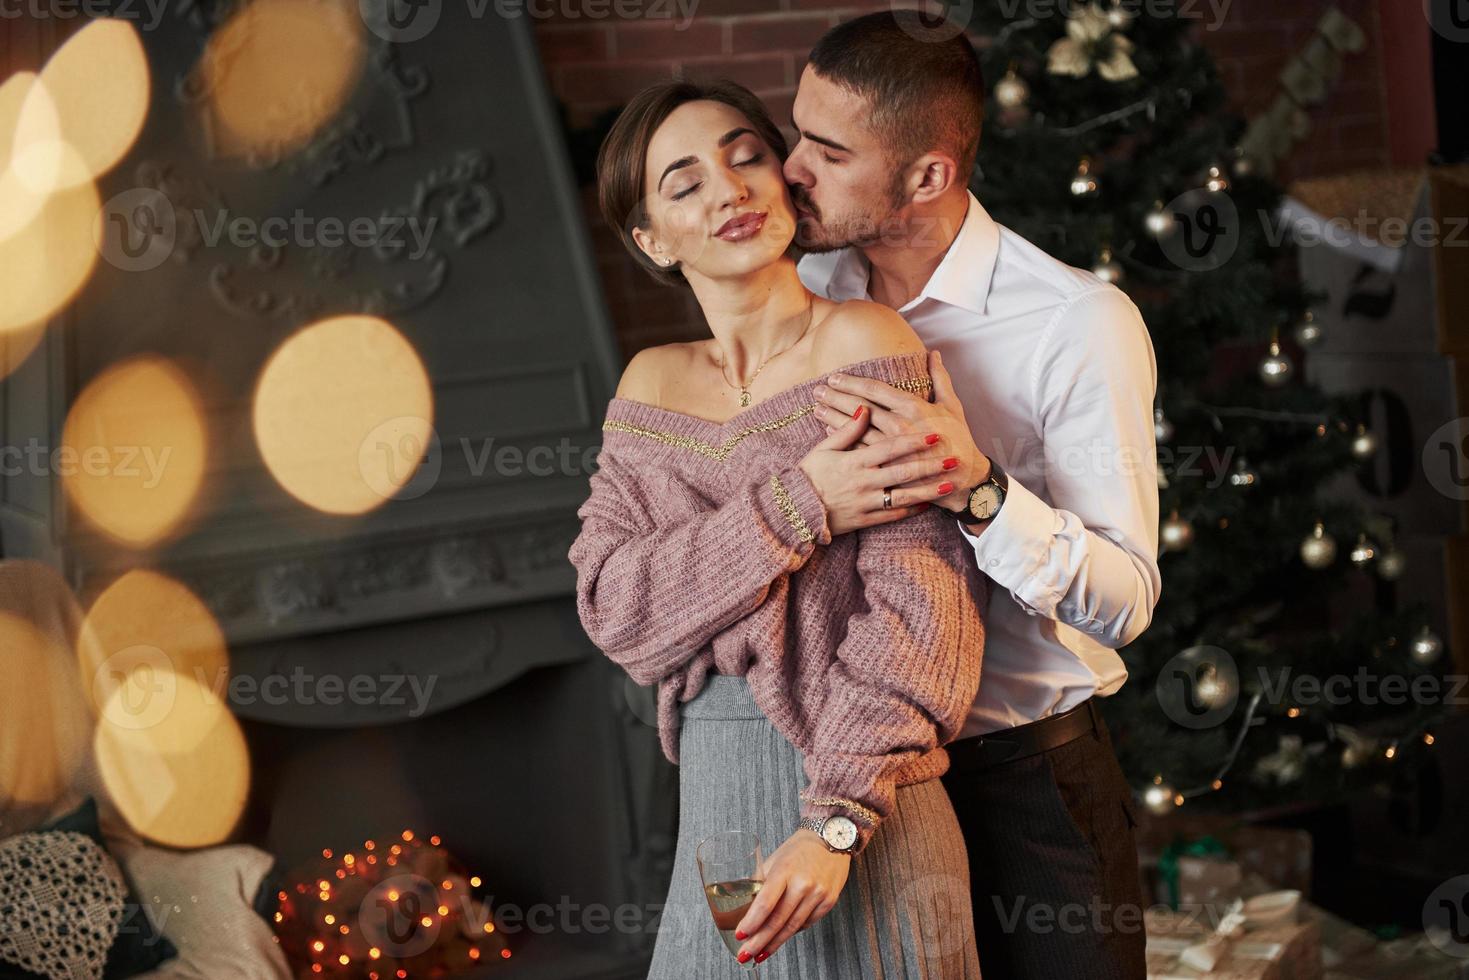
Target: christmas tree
[{"x": 1108, "y": 143}]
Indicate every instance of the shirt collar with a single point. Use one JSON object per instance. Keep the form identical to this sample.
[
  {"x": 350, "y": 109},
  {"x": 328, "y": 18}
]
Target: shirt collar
[{"x": 962, "y": 278}]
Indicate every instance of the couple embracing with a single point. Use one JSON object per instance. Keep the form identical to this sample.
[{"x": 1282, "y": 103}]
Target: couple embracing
[{"x": 809, "y": 529}]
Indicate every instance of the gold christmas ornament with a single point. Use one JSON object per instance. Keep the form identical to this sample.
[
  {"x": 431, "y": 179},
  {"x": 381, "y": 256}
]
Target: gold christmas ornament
[
  {"x": 1092, "y": 42},
  {"x": 1319, "y": 549},
  {"x": 1012, "y": 91}
]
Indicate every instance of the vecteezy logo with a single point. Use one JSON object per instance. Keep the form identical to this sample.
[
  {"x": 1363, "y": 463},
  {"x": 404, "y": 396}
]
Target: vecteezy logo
[
  {"x": 1199, "y": 687},
  {"x": 1207, "y": 230},
  {"x": 399, "y": 916},
  {"x": 936, "y": 22},
  {"x": 136, "y": 687},
  {"x": 1446, "y": 459},
  {"x": 400, "y": 21},
  {"x": 1446, "y": 917},
  {"x": 1449, "y": 18},
  {"x": 136, "y": 230}
]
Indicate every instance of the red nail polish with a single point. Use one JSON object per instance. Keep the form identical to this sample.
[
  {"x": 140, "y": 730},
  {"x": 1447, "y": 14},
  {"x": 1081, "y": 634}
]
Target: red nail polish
[
  {"x": 740, "y": 935},
  {"x": 743, "y": 957},
  {"x": 931, "y": 438},
  {"x": 945, "y": 488},
  {"x": 761, "y": 958},
  {"x": 858, "y": 413},
  {"x": 951, "y": 462}
]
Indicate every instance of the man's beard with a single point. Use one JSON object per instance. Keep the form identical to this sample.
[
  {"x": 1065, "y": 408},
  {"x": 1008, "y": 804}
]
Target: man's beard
[{"x": 851, "y": 231}]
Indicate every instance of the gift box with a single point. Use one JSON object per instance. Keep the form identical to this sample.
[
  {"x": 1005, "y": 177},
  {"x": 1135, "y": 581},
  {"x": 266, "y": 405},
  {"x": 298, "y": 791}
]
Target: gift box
[
  {"x": 1169, "y": 849},
  {"x": 1259, "y": 938}
]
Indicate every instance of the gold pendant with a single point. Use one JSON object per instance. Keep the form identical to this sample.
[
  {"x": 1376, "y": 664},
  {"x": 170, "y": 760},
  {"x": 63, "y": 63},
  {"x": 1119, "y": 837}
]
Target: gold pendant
[{"x": 744, "y": 398}]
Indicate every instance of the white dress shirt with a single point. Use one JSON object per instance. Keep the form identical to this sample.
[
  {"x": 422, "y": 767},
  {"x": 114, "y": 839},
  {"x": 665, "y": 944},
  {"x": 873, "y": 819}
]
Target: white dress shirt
[{"x": 1056, "y": 373}]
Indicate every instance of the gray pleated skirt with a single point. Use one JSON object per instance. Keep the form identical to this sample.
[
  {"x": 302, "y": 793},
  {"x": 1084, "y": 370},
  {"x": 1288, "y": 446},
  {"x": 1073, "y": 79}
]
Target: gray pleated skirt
[{"x": 904, "y": 913}]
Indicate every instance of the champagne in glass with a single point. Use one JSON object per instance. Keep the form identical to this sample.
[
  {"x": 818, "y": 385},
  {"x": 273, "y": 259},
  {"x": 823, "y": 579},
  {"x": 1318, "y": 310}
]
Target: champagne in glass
[{"x": 729, "y": 866}]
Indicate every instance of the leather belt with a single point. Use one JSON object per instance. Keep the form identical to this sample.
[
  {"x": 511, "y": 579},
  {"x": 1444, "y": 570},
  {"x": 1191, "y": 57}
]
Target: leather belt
[{"x": 980, "y": 752}]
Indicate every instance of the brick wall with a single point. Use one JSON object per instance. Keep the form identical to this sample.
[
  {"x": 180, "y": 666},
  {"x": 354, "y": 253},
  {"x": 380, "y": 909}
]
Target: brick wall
[{"x": 594, "y": 64}]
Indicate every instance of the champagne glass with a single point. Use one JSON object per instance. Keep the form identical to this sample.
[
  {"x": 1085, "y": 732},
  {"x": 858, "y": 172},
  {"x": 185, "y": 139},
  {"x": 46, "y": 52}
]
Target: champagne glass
[{"x": 729, "y": 866}]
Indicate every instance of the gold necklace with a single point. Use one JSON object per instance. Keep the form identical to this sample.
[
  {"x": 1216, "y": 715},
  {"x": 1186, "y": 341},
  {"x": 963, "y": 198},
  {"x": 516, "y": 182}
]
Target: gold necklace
[{"x": 744, "y": 387}]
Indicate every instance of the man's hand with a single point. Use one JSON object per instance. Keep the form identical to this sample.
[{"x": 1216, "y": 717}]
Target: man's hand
[
  {"x": 850, "y": 482},
  {"x": 897, "y": 417}
]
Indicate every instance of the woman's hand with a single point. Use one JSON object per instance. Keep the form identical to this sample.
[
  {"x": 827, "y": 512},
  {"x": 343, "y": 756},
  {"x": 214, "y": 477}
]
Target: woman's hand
[{"x": 803, "y": 880}]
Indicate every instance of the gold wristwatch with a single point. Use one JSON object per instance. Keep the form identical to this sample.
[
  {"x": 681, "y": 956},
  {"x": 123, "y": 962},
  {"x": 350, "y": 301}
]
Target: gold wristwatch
[{"x": 986, "y": 499}]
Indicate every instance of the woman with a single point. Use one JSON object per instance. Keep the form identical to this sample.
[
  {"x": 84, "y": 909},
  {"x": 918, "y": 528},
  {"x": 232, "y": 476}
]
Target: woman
[{"x": 805, "y": 683}]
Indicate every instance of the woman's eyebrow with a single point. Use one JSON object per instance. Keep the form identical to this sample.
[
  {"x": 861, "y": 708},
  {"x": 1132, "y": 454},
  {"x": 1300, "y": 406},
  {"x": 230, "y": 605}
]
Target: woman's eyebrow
[{"x": 689, "y": 161}]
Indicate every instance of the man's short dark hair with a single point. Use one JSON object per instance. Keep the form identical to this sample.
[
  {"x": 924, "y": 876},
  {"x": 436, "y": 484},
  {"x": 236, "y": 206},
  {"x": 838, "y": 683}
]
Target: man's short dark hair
[{"x": 924, "y": 94}]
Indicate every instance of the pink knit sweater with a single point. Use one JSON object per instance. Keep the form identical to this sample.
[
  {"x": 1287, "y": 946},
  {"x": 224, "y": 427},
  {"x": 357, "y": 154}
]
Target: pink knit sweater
[{"x": 704, "y": 547}]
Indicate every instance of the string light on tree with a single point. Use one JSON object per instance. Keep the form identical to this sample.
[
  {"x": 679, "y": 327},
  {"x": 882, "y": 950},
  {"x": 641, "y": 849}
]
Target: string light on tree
[
  {"x": 1243, "y": 476},
  {"x": 1319, "y": 549},
  {"x": 1176, "y": 534},
  {"x": 1084, "y": 183},
  {"x": 1362, "y": 552},
  {"x": 1427, "y": 647},
  {"x": 1215, "y": 180},
  {"x": 1160, "y": 797},
  {"x": 1107, "y": 268}
]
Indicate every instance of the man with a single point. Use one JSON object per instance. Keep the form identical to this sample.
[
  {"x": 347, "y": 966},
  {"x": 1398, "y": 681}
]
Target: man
[{"x": 1044, "y": 384}]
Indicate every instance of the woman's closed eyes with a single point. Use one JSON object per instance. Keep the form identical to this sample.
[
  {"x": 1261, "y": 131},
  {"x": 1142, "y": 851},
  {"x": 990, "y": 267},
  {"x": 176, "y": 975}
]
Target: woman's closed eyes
[{"x": 743, "y": 163}]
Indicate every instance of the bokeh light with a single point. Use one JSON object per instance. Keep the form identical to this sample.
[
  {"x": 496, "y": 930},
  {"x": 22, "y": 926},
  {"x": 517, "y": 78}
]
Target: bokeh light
[
  {"x": 144, "y": 629},
  {"x": 343, "y": 413},
  {"x": 44, "y": 263},
  {"x": 278, "y": 71},
  {"x": 85, "y": 110},
  {"x": 44, "y": 722},
  {"x": 139, "y": 446},
  {"x": 182, "y": 779}
]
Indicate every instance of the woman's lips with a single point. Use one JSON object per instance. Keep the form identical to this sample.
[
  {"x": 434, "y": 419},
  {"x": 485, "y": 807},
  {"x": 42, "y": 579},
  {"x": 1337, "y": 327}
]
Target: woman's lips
[{"x": 740, "y": 228}]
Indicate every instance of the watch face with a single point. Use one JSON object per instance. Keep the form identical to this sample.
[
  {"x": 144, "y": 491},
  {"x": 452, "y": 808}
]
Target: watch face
[
  {"x": 839, "y": 832},
  {"x": 985, "y": 501}
]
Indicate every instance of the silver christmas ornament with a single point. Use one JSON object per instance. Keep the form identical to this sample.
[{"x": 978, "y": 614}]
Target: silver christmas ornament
[
  {"x": 1162, "y": 428},
  {"x": 1364, "y": 443},
  {"x": 1158, "y": 220},
  {"x": 1275, "y": 368},
  {"x": 1427, "y": 647},
  {"x": 1307, "y": 331},
  {"x": 1391, "y": 564},
  {"x": 1319, "y": 549},
  {"x": 1107, "y": 268}
]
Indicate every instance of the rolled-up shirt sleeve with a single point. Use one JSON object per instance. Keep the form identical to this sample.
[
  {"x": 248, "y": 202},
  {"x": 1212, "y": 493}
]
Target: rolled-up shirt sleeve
[{"x": 1089, "y": 557}]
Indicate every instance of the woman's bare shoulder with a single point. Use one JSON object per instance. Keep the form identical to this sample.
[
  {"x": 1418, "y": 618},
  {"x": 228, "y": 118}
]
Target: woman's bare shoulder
[
  {"x": 860, "y": 330},
  {"x": 650, "y": 369}
]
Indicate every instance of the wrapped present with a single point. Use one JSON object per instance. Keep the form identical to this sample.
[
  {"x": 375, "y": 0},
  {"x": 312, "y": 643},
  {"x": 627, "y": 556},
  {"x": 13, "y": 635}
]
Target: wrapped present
[
  {"x": 1279, "y": 856},
  {"x": 1207, "y": 881},
  {"x": 1263, "y": 936}
]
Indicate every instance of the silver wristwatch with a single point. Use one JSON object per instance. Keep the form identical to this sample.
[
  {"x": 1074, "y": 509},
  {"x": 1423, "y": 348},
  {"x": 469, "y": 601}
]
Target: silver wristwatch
[
  {"x": 986, "y": 499},
  {"x": 839, "y": 833}
]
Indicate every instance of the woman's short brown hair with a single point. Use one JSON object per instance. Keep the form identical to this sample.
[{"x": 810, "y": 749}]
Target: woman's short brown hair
[{"x": 623, "y": 158}]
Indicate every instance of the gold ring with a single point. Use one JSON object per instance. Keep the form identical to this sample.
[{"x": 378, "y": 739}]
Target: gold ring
[{"x": 887, "y": 499}]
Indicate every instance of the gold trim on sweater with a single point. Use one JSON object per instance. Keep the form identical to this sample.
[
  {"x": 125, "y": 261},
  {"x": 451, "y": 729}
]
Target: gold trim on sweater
[
  {"x": 788, "y": 508},
  {"x": 722, "y": 452}
]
